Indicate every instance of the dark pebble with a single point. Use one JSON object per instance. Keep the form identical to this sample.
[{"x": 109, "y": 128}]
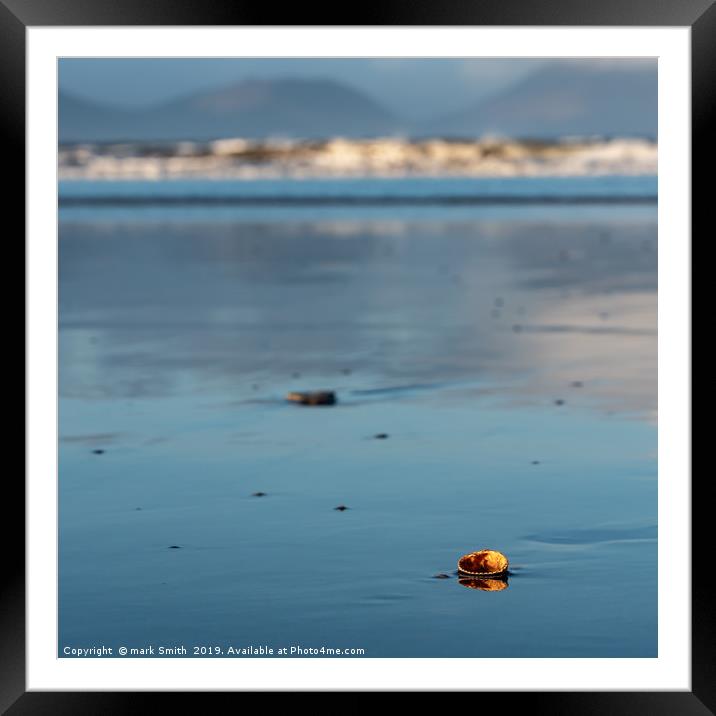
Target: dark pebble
[
  {"x": 320, "y": 397},
  {"x": 341, "y": 508}
]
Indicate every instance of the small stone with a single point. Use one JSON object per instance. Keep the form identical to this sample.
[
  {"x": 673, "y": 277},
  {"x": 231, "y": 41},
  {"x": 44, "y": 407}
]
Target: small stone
[
  {"x": 341, "y": 508},
  {"x": 319, "y": 397}
]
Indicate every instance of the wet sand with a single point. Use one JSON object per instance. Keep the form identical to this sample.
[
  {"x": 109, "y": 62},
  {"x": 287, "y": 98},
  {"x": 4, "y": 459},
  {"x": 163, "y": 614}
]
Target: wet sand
[{"x": 508, "y": 357}]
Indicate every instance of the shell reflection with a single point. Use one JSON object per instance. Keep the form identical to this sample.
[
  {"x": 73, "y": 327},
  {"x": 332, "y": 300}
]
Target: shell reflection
[{"x": 484, "y": 585}]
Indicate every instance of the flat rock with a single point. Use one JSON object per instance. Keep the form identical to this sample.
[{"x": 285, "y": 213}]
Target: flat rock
[{"x": 317, "y": 397}]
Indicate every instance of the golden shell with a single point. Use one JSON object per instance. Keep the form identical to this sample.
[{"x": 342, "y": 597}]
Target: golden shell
[{"x": 485, "y": 563}]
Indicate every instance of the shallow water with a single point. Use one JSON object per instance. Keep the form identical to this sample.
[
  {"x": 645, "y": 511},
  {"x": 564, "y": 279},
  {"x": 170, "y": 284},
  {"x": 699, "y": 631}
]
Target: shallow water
[{"x": 509, "y": 354}]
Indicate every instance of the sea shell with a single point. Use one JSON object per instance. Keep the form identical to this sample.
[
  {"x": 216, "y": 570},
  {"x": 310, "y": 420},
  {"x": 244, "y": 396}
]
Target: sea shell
[
  {"x": 485, "y": 585},
  {"x": 485, "y": 563},
  {"x": 319, "y": 397}
]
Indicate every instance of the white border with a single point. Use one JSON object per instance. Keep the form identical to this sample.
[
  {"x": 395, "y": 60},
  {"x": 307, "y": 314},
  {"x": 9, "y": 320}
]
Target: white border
[{"x": 671, "y": 670}]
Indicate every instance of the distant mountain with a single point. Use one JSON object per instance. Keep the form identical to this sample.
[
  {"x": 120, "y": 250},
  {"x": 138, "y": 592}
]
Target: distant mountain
[
  {"x": 82, "y": 120},
  {"x": 563, "y": 99},
  {"x": 305, "y": 108}
]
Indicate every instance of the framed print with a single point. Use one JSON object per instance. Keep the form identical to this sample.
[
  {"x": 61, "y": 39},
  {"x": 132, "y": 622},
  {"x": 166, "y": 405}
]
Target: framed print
[{"x": 358, "y": 353}]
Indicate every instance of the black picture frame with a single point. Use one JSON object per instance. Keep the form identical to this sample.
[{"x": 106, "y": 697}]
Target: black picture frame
[{"x": 17, "y": 15}]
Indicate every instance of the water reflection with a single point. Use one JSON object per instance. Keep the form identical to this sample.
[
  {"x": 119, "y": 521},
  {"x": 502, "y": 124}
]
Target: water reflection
[
  {"x": 484, "y": 585},
  {"x": 179, "y": 340},
  {"x": 525, "y": 308}
]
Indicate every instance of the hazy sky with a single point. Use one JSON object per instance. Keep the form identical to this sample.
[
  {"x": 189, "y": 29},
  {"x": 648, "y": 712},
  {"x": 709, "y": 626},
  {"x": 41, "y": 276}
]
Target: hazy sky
[{"x": 421, "y": 87}]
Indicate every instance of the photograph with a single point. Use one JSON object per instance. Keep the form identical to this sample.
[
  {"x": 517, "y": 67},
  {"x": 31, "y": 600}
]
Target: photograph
[{"x": 357, "y": 357}]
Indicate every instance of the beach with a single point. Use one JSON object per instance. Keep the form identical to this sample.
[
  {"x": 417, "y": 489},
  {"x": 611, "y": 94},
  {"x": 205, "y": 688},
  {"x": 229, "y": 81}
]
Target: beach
[{"x": 504, "y": 351}]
